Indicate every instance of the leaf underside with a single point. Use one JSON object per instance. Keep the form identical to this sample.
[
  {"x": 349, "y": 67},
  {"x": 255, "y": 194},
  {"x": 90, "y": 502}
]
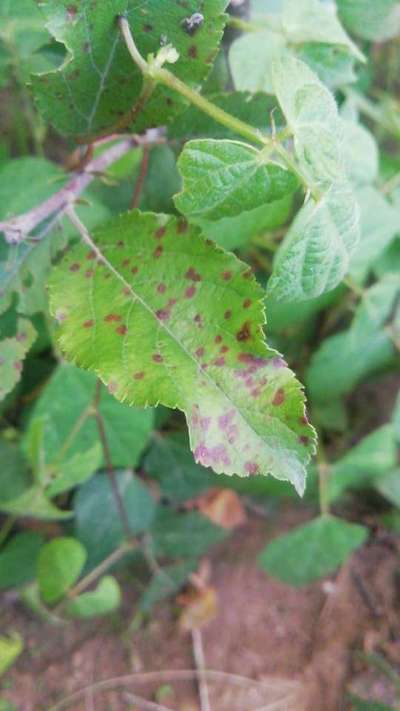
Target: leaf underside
[
  {"x": 164, "y": 316},
  {"x": 99, "y": 84}
]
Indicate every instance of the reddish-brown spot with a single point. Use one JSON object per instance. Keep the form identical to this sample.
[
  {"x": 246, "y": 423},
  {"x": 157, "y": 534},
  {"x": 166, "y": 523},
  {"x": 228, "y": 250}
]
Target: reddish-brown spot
[
  {"x": 190, "y": 292},
  {"x": 91, "y": 255},
  {"x": 71, "y": 12},
  {"x": 304, "y": 440},
  {"x": 112, "y": 387},
  {"x": 112, "y": 317},
  {"x": 304, "y": 420},
  {"x": 18, "y": 365},
  {"x": 134, "y": 270},
  {"x": 247, "y": 274},
  {"x": 121, "y": 330},
  {"x": 161, "y": 288},
  {"x": 88, "y": 324},
  {"x": 126, "y": 262},
  {"x": 181, "y": 227},
  {"x": 200, "y": 352},
  {"x": 251, "y": 468},
  {"x": 158, "y": 251},
  {"x": 147, "y": 27},
  {"x": 246, "y": 303},
  {"x": 279, "y": 397},
  {"x": 159, "y": 234},
  {"x": 219, "y": 361},
  {"x": 120, "y": 243},
  {"x": 192, "y": 51},
  {"x": 192, "y": 274},
  {"x": 163, "y": 314},
  {"x": 158, "y": 358},
  {"x": 126, "y": 291},
  {"x": 244, "y": 332},
  {"x": 226, "y": 276},
  {"x": 224, "y": 349},
  {"x": 89, "y": 273},
  {"x": 218, "y": 339},
  {"x": 139, "y": 376},
  {"x": 75, "y": 267},
  {"x": 227, "y": 315}
]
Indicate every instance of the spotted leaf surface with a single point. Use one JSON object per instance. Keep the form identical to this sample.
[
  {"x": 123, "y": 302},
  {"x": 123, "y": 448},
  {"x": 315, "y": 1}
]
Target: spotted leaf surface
[
  {"x": 315, "y": 255},
  {"x": 225, "y": 178},
  {"x": 163, "y": 315},
  {"x": 12, "y": 353},
  {"x": 99, "y": 84},
  {"x": 312, "y": 116}
]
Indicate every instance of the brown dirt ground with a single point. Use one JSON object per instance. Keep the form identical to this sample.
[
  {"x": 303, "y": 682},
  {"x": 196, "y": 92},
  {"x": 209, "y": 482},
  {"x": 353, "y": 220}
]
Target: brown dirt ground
[{"x": 263, "y": 630}]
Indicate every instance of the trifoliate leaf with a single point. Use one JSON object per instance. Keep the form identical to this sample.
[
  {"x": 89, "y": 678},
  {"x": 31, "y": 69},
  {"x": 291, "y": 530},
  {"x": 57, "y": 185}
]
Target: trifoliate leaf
[
  {"x": 315, "y": 254},
  {"x": 370, "y": 19},
  {"x": 312, "y": 116},
  {"x": 314, "y": 21},
  {"x": 12, "y": 354},
  {"x": 312, "y": 551},
  {"x": 59, "y": 566},
  {"x": 99, "y": 80},
  {"x": 164, "y": 316},
  {"x": 225, "y": 178}
]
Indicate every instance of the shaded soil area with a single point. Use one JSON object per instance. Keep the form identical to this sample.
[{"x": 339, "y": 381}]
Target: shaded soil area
[{"x": 298, "y": 646}]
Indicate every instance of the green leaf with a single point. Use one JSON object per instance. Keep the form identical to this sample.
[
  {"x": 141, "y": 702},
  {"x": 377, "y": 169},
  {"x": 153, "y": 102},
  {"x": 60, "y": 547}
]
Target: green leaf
[
  {"x": 184, "y": 535},
  {"x": 379, "y": 224},
  {"x": 369, "y": 19},
  {"x": 171, "y": 319},
  {"x": 18, "y": 559},
  {"x": 389, "y": 486},
  {"x": 98, "y": 83},
  {"x": 71, "y": 448},
  {"x": 345, "y": 359},
  {"x": 361, "y": 155},
  {"x": 21, "y": 33},
  {"x": 12, "y": 353},
  {"x": 226, "y": 178},
  {"x": 14, "y": 476},
  {"x": 314, "y": 21},
  {"x": 104, "y": 599},
  {"x": 60, "y": 564},
  {"x": 97, "y": 521},
  {"x": 372, "y": 457},
  {"x": 251, "y": 57},
  {"x": 10, "y": 649},
  {"x": 359, "y": 704},
  {"x": 33, "y": 502},
  {"x": 312, "y": 116},
  {"x": 315, "y": 254},
  {"x": 167, "y": 581},
  {"x": 254, "y": 109},
  {"x": 312, "y": 551}
]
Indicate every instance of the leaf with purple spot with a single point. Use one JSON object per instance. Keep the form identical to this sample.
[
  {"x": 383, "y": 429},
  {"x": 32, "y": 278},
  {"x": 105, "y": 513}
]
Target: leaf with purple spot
[
  {"x": 12, "y": 354},
  {"x": 195, "y": 344}
]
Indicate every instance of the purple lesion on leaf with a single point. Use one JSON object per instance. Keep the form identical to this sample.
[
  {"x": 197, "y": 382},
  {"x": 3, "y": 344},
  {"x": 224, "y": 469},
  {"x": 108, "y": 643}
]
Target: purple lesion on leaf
[
  {"x": 218, "y": 339},
  {"x": 159, "y": 234},
  {"x": 303, "y": 439},
  {"x": 199, "y": 352},
  {"x": 89, "y": 273},
  {"x": 121, "y": 330},
  {"x": 158, "y": 251},
  {"x": 227, "y": 275},
  {"x": 247, "y": 303},
  {"x": 252, "y": 468},
  {"x": 193, "y": 275},
  {"x": 279, "y": 397},
  {"x": 219, "y": 362},
  {"x": 279, "y": 362},
  {"x": 21, "y": 337},
  {"x": 112, "y": 387},
  {"x": 212, "y": 456},
  {"x": 75, "y": 267},
  {"x": 198, "y": 319},
  {"x": 18, "y": 365},
  {"x": 88, "y": 324},
  {"x": 157, "y": 358},
  {"x": 190, "y": 292},
  {"x": 161, "y": 288},
  {"x": 182, "y": 226},
  {"x": 244, "y": 333},
  {"x": 110, "y": 318}
]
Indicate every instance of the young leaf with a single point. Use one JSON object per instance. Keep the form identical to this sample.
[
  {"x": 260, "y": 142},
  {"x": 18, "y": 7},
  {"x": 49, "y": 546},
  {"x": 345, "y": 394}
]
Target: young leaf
[
  {"x": 170, "y": 318},
  {"x": 12, "y": 353},
  {"x": 312, "y": 551},
  {"x": 369, "y": 19},
  {"x": 314, "y": 256},
  {"x": 251, "y": 57},
  {"x": 226, "y": 178},
  {"x": 312, "y": 116},
  {"x": 104, "y": 599},
  {"x": 313, "y": 21},
  {"x": 59, "y": 566},
  {"x": 99, "y": 80}
]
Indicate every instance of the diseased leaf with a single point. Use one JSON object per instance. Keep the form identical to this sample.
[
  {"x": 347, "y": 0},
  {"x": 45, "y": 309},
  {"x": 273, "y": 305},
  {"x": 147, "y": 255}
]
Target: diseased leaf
[
  {"x": 104, "y": 599},
  {"x": 314, "y": 21},
  {"x": 99, "y": 79},
  {"x": 312, "y": 116},
  {"x": 59, "y": 566},
  {"x": 345, "y": 359},
  {"x": 312, "y": 551},
  {"x": 368, "y": 461},
  {"x": 315, "y": 254},
  {"x": 12, "y": 354},
  {"x": 226, "y": 178},
  {"x": 370, "y": 19},
  {"x": 168, "y": 317}
]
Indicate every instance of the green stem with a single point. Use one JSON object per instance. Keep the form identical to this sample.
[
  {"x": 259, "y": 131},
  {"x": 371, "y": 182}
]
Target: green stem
[
  {"x": 6, "y": 528},
  {"x": 323, "y": 480}
]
